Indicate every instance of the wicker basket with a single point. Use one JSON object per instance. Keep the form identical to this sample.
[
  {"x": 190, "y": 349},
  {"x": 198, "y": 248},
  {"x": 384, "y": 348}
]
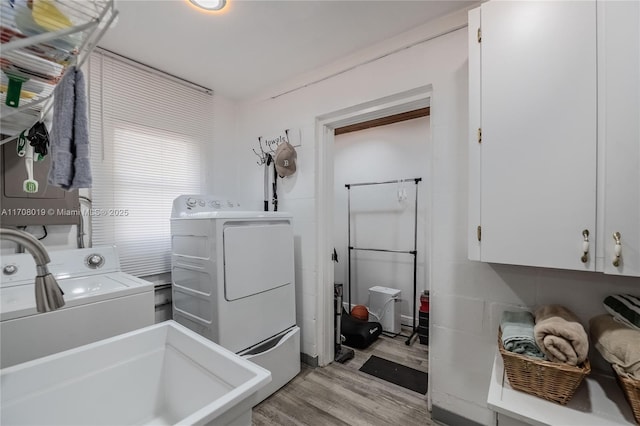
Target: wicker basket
[
  {"x": 631, "y": 388},
  {"x": 548, "y": 380}
]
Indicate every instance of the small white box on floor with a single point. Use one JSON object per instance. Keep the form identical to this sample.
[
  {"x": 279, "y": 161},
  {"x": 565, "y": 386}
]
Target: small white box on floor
[{"x": 384, "y": 303}]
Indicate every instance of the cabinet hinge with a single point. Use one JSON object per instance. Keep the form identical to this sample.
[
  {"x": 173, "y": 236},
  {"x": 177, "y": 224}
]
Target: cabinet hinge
[
  {"x": 479, "y": 232},
  {"x": 479, "y": 135},
  {"x": 479, "y": 35}
]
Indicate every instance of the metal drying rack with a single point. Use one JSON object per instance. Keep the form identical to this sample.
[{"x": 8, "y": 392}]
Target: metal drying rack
[
  {"x": 413, "y": 252},
  {"x": 39, "y": 42}
]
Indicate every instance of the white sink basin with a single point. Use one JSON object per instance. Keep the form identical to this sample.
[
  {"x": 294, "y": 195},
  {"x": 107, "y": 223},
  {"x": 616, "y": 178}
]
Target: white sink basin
[{"x": 158, "y": 375}]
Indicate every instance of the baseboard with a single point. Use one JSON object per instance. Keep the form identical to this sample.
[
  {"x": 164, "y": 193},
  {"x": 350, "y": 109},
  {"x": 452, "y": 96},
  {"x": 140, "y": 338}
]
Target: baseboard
[
  {"x": 407, "y": 321},
  {"x": 311, "y": 361},
  {"x": 445, "y": 417}
]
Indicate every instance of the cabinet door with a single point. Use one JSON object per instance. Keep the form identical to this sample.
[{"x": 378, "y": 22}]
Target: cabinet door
[
  {"x": 619, "y": 120},
  {"x": 538, "y": 118}
]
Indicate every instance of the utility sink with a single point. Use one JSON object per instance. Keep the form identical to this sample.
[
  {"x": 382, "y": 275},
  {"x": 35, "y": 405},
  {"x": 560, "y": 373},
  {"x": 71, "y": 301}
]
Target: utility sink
[{"x": 158, "y": 375}]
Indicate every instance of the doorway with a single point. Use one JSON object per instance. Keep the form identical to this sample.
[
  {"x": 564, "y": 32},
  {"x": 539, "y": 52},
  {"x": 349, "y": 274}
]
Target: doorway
[
  {"x": 380, "y": 212},
  {"x": 325, "y": 136}
]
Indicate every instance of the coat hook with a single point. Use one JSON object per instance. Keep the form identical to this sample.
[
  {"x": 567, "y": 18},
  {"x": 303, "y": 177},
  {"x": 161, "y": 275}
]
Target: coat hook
[
  {"x": 262, "y": 155},
  {"x": 261, "y": 160}
]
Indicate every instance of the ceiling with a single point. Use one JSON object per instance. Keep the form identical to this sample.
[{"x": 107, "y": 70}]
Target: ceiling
[{"x": 254, "y": 44}]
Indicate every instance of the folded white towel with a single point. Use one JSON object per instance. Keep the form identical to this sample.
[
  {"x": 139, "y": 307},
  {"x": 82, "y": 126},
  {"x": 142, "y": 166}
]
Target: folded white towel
[{"x": 617, "y": 343}]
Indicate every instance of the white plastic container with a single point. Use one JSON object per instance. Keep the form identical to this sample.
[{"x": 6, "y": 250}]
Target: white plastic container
[{"x": 384, "y": 303}]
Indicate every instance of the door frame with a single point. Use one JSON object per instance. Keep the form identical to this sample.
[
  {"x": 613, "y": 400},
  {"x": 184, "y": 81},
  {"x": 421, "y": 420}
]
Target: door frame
[{"x": 325, "y": 125}]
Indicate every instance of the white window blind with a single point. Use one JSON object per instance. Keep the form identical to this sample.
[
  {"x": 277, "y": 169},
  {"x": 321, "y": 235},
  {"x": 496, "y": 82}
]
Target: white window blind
[{"x": 149, "y": 136}]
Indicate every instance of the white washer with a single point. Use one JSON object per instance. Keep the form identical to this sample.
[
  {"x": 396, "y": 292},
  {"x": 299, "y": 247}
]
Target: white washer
[
  {"x": 234, "y": 282},
  {"x": 101, "y": 301}
]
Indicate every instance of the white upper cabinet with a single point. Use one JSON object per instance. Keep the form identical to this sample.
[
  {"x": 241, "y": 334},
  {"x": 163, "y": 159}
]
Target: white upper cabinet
[
  {"x": 619, "y": 135},
  {"x": 535, "y": 116},
  {"x": 554, "y": 134}
]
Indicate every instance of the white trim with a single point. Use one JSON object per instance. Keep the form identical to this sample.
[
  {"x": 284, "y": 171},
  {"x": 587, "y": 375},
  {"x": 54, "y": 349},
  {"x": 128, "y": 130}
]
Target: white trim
[
  {"x": 368, "y": 61},
  {"x": 325, "y": 125},
  {"x": 421, "y": 34},
  {"x": 383, "y": 107},
  {"x": 324, "y": 242}
]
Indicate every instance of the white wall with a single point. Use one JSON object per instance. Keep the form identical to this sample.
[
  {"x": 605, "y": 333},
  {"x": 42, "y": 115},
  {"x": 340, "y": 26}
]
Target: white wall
[
  {"x": 379, "y": 219},
  {"x": 439, "y": 62},
  {"x": 221, "y": 158},
  {"x": 466, "y": 297}
]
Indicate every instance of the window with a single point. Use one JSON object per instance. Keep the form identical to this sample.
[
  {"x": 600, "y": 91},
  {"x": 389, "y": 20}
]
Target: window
[{"x": 149, "y": 135}]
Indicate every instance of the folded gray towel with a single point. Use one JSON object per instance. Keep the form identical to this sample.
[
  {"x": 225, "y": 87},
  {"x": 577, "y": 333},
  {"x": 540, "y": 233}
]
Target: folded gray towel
[
  {"x": 81, "y": 164},
  {"x": 61, "y": 135},
  {"x": 517, "y": 334},
  {"x": 69, "y": 136}
]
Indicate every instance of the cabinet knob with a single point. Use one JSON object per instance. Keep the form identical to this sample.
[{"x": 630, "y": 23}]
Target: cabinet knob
[
  {"x": 585, "y": 246},
  {"x": 617, "y": 249}
]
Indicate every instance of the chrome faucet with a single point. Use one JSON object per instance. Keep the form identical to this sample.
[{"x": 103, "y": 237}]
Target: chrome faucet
[{"x": 48, "y": 293}]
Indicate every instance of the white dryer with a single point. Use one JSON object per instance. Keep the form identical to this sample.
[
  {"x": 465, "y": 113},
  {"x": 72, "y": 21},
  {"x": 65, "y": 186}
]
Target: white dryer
[{"x": 234, "y": 281}]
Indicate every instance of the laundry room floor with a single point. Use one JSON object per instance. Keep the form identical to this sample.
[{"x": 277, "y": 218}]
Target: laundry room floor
[{"x": 340, "y": 394}]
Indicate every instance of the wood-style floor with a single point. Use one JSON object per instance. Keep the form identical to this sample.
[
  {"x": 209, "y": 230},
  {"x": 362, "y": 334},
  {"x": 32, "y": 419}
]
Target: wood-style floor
[{"x": 339, "y": 394}]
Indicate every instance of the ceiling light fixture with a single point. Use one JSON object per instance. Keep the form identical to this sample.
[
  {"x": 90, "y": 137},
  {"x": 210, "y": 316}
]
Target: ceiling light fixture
[{"x": 210, "y": 5}]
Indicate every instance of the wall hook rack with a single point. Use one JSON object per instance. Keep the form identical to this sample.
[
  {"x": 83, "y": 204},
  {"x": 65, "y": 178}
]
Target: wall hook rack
[{"x": 268, "y": 146}]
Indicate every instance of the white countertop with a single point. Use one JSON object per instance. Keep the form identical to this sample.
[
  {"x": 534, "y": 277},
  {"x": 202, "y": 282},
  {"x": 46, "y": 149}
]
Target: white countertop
[{"x": 599, "y": 401}]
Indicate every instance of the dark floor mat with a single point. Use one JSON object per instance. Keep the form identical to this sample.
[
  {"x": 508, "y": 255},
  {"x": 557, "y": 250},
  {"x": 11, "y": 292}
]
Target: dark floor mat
[{"x": 398, "y": 374}]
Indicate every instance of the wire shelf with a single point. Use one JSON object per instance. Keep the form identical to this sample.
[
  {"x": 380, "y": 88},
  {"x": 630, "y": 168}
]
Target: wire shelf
[{"x": 40, "y": 40}]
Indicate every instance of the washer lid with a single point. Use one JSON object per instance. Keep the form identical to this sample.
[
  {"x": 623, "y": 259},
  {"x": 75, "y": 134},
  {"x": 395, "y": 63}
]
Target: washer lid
[{"x": 19, "y": 300}]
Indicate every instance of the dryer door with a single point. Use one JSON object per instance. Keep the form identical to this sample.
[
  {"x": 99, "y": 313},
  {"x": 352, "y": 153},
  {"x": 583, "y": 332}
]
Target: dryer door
[{"x": 257, "y": 258}]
